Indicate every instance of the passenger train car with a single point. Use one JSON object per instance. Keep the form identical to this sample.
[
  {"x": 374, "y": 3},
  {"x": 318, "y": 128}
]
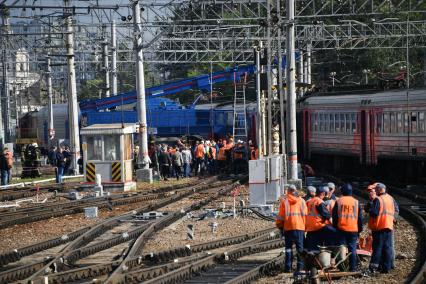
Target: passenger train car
[{"x": 382, "y": 132}]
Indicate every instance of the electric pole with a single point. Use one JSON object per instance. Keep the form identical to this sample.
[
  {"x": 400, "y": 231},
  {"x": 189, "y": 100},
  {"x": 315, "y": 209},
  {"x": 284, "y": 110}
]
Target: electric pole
[
  {"x": 105, "y": 63},
  {"x": 291, "y": 90},
  {"x": 72, "y": 93},
  {"x": 114, "y": 58},
  {"x": 145, "y": 173},
  {"x": 51, "y": 130}
]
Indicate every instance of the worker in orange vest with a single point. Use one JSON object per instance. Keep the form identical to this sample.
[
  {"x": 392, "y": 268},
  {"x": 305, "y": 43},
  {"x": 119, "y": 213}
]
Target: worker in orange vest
[
  {"x": 382, "y": 218},
  {"x": 319, "y": 231},
  {"x": 291, "y": 222},
  {"x": 347, "y": 219},
  {"x": 221, "y": 156},
  {"x": 199, "y": 154}
]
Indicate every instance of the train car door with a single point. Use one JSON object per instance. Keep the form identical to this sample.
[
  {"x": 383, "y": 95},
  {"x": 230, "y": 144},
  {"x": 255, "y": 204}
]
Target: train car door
[{"x": 363, "y": 137}]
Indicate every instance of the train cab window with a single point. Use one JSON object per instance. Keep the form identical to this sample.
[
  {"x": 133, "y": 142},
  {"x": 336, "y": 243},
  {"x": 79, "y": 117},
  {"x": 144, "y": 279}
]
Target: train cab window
[
  {"x": 312, "y": 122},
  {"x": 414, "y": 122},
  {"x": 353, "y": 120},
  {"x": 94, "y": 148},
  {"x": 386, "y": 123},
  {"x": 421, "y": 123},
  {"x": 379, "y": 122},
  {"x": 406, "y": 122},
  {"x": 392, "y": 123}
]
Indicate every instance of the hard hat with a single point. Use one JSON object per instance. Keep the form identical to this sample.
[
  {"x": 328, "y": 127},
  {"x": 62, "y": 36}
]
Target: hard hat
[
  {"x": 380, "y": 186},
  {"x": 323, "y": 189},
  {"x": 312, "y": 189},
  {"x": 346, "y": 189},
  {"x": 331, "y": 185}
]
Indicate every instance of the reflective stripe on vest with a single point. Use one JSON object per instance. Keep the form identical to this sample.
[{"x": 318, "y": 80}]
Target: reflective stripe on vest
[
  {"x": 347, "y": 212},
  {"x": 386, "y": 215},
  {"x": 314, "y": 220},
  {"x": 294, "y": 215}
]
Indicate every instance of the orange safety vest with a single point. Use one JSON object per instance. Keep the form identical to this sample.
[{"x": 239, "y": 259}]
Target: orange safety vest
[
  {"x": 213, "y": 155},
  {"x": 330, "y": 207},
  {"x": 199, "y": 151},
  {"x": 314, "y": 221},
  {"x": 386, "y": 214},
  {"x": 291, "y": 216},
  {"x": 347, "y": 214},
  {"x": 222, "y": 156}
]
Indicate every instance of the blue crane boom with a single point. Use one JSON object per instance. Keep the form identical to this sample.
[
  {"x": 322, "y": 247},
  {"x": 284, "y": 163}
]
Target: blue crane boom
[{"x": 200, "y": 82}]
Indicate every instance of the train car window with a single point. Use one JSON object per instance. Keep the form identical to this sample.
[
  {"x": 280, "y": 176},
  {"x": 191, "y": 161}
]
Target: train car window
[
  {"x": 332, "y": 124},
  {"x": 321, "y": 122},
  {"x": 379, "y": 122},
  {"x": 316, "y": 122},
  {"x": 94, "y": 148},
  {"x": 392, "y": 123},
  {"x": 399, "y": 122},
  {"x": 414, "y": 122},
  {"x": 342, "y": 123},
  {"x": 386, "y": 123},
  {"x": 353, "y": 120},
  {"x": 347, "y": 123},
  {"x": 421, "y": 125},
  {"x": 311, "y": 122},
  {"x": 327, "y": 122},
  {"x": 406, "y": 122}
]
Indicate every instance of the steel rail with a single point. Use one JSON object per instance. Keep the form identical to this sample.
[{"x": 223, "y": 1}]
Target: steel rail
[
  {"x": 416, "y": 218},
  {"x": 67, "y": 256}
]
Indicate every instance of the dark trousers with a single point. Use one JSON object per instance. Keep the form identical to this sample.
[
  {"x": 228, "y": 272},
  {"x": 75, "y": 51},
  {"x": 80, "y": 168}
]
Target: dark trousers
[
  {"x": 295, "y": 237},
  {"x": 164, "y": 171},
  {"x": 177, "y": 171},
  {"x": 382, "y": 255},
  {"x": 325, "y": 236},
  {"x": 199, "y": 164},
  {"x": 59, "y": 174},
  {"x": 5, "y": 177},
  {"x": 350, "y": 240}
]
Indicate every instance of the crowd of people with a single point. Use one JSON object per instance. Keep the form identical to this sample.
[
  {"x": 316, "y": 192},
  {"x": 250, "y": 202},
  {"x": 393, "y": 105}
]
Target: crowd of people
[
  {"x": 201, "y": 158},
  {"x": 60, "y": 158},
  {"x": 326, "y": 220}
]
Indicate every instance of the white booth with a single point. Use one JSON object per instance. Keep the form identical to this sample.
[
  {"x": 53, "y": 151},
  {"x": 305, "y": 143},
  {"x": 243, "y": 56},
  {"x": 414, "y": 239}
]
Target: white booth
[{"x": 108, "y": 151}]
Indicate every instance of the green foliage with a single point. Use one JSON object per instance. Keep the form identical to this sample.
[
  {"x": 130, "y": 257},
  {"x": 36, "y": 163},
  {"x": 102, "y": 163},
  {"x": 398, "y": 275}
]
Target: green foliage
[{"x": 90, "y": 89}]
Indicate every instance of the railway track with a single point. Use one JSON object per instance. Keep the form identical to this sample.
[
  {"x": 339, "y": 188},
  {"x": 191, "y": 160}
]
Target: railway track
[
  {"x": 411, "y": 207},
  {"x": 43, "y": 211},
  {"x": 89, "y": 241}
]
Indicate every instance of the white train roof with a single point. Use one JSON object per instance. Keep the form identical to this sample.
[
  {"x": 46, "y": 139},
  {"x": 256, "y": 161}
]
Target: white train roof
[{"x": 379, "y": 98}]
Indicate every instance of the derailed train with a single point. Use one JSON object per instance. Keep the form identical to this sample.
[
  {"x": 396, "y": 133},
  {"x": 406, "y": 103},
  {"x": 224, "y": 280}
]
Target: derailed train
[
  {"x": 165, "y": 117},
  {"x": 383, "y": 132}
]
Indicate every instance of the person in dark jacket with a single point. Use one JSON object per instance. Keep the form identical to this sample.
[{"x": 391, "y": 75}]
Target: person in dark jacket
[
  {"x": 4, "y": 169},
  {"x": 60, "y": 164},
  {"x": 164, "y": 161},
  {"x": 177, "y": 162}
]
